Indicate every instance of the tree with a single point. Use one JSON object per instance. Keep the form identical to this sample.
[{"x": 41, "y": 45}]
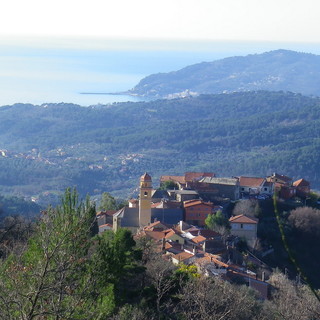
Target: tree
[
  {"x": 169, "y": 185},
  {"x": 108, "y": 202},
  {"x": 249, "y": 207},
  {"x": 51, "y": 278},
  {"x": 216, "y": 221},
  {"x": 306, "y": 220},
  {"x": 208, "y": 298},
  {"x": 291, "y": 301}
]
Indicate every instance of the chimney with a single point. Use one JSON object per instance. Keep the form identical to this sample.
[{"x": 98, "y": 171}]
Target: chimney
[
  {"x": 204, "y": 246},
  {"x": 263, "y": 276},
  {"x": 194, "y": 250}
]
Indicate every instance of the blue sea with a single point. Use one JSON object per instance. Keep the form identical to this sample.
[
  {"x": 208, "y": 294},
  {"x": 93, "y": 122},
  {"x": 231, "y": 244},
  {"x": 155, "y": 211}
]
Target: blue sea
[{"x": 37, "y": 75}]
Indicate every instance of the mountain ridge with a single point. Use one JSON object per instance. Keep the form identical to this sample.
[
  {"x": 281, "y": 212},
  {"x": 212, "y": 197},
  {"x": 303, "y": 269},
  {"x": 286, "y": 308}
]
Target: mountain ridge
[{"x": 275, "y": 70}]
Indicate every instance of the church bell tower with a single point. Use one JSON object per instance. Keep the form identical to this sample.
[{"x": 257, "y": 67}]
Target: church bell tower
[{"x": 145, "y": 200}]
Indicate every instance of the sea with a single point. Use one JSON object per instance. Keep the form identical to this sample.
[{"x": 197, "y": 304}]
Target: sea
[{"x": 93, "y": 76}]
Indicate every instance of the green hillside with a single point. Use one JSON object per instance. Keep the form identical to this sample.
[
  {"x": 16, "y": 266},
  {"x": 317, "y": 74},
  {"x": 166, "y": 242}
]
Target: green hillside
[{"x": 47, "y": 148}]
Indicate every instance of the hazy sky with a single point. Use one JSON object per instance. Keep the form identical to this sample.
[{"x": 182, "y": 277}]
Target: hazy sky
[{"x": 240, "y": 20}]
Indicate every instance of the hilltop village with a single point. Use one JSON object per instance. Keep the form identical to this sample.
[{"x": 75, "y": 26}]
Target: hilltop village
[{"x": 176, "y": 217}]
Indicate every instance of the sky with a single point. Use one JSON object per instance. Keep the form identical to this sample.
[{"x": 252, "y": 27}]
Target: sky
[{"x": 149, "y": 21}]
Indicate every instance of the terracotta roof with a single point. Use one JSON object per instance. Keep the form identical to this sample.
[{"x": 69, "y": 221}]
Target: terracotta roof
[
  {"x": 198, "y": 239},
  {"x": 191, "y": 176},
  {"x": 211, "y": 258},
  {"x": 196, "y": 202},
  {"x": 156, "y": 225},
  {"x": 106, "y": 225},
  {"x": 241, "y": 218},
  {"x": 301, "y": 183},
  {"x": 183, "y": 256},
  {"x": 170, "y": 232},
  {"x": 179, "y": 179},
  {"x": 156, "y": 235},
  {"x": 145, "y": 177},
  {"x": 251, "y": 181}
]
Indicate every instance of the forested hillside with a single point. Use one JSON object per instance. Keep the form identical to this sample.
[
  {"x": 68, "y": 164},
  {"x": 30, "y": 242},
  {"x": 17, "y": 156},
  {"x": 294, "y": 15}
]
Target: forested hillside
[
  {"x": 275, "y": 70},
  {"x": 47, "y": 148}
]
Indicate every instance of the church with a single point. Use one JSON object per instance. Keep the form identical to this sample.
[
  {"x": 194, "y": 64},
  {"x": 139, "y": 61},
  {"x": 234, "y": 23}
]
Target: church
[{"x": 143, "y": 214}]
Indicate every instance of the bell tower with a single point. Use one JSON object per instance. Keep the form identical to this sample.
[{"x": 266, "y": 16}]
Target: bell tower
[{"x": 145, "y": 200}]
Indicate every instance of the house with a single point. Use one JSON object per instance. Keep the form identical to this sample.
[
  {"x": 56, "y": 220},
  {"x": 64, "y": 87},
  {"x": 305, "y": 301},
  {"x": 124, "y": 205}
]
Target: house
[
  {"x": 251, "y": 185},
  {"x": 196, "y": 211},
  {"x": 105, "y": 227},
  {"x": 302, "y": 187},
  {"x": 244, "y": 227},
  {"x": 280, "y": 179},
  {"x": 282, "y": 185},
  {"x": 104, "y": 217},
  {"x": 226, "y": 187},
  {"x": 183, "y": 257}
]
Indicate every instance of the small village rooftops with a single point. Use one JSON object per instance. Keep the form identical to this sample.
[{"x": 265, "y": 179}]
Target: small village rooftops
[
  {"x": 225, "y": 181},
  {"x": 241, "y": 218}
]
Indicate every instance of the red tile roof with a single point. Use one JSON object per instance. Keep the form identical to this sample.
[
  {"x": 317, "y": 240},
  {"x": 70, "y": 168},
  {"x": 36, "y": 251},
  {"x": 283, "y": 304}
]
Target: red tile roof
[
  {"x": 183, "y": 256},
  {"x": 156, "y": 235},
  {"x": 106, "y": 225},
  {"x": 241, "y": 218},
  {"x": 301, "y": 183},
  {"x": 195, "y": 202},
  {"x": 251, "y": 182},
  {"x": 198, "y": 239}
]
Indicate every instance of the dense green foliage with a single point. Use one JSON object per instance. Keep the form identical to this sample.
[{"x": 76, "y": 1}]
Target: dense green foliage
[
  {"x": 217, "y": 220},
  {"x": 276, "y": 70},
  {"x": 47, "y": 148}
]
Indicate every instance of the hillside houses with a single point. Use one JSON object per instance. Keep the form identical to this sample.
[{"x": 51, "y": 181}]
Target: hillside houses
[
  {"x": 199, "y": 194},
  {"x": 187, "y": 244},
  {"x": 175, "y": 221}
]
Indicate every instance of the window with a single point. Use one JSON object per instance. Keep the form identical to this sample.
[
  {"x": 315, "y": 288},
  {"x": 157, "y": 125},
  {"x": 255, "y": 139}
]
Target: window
[
  {"x": 145, "y": 193},
  {"x": 241, "y": 226},
  {"x": 265, "y": 189}
]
